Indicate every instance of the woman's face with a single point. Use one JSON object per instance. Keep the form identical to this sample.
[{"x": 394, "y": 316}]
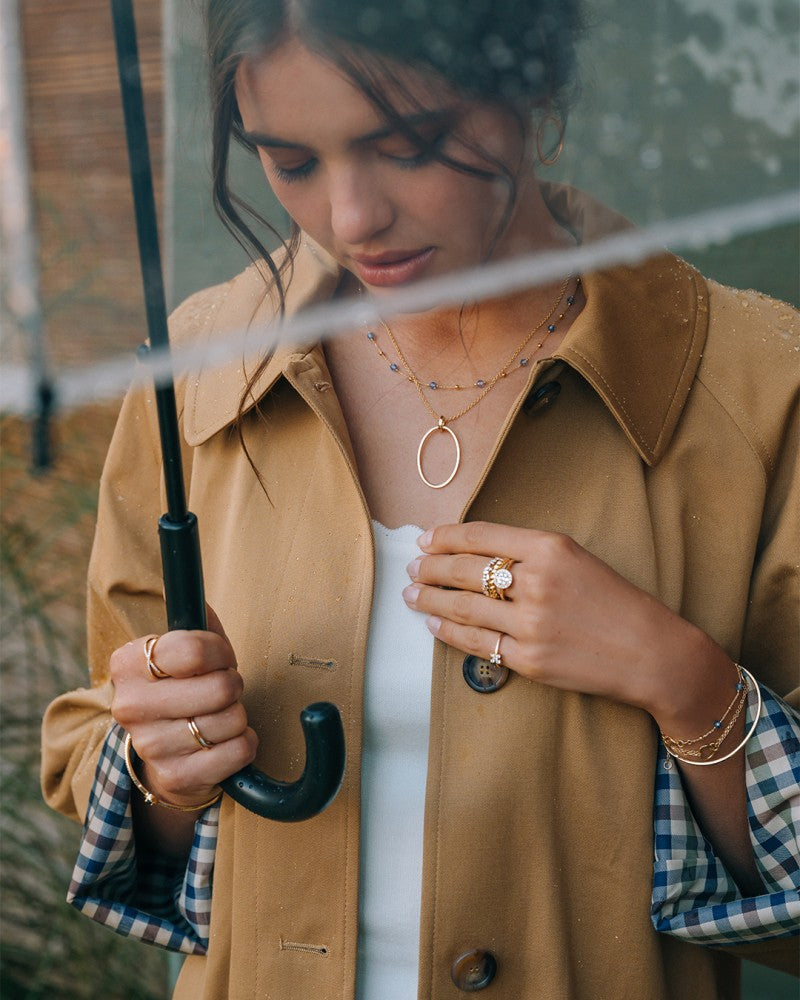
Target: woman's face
[{"x": 385, "y": 211}]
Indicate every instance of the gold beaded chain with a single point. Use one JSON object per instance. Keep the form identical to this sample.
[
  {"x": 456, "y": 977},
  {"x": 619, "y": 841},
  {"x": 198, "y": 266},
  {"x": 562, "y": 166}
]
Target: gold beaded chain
[
  {"x": 688, "y": 748},
  {"x": 442, "y": 422},
  {"x": 435, "y": 384}
]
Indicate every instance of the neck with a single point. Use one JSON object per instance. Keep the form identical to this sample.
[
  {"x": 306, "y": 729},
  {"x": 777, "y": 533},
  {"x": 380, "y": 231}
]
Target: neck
[{"x": 484, "y": 333}]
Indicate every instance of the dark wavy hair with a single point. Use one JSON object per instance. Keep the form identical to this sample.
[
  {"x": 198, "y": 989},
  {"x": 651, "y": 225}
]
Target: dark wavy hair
[{"x": 517, "y": 54}]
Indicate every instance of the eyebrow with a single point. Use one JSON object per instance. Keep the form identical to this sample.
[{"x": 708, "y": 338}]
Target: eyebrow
[{"x": 409, "y": 122}]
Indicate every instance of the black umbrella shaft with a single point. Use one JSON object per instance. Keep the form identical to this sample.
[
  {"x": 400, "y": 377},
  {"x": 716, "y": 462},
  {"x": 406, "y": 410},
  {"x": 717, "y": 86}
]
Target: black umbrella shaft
[{"x": 149, "y": 251}]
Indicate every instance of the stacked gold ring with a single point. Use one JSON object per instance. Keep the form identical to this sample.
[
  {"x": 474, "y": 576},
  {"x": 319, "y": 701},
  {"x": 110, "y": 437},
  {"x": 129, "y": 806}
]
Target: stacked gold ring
[
  {"x": 149, "y": 647},
  {"x": 497, "y": 578},
  {"x": 203, "y": 743}
]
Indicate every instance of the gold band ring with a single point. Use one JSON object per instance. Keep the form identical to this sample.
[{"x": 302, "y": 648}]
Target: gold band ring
[
  {"x": 497, "y": 578},
  {"x": 496, "y": 658},
  {"x": 203, "y": 743},
  {"x": 155, "y": 672}
]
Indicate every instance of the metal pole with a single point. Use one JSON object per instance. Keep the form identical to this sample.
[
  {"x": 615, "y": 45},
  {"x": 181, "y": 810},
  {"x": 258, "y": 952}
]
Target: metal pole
[{"x": 20, "y": 246}]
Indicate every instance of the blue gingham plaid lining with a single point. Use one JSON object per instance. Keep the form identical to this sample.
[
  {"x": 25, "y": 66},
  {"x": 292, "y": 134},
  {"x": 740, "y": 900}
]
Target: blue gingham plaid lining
[
  {"x": 694, "y": 897},
  {"x": 134, "y": 894}
]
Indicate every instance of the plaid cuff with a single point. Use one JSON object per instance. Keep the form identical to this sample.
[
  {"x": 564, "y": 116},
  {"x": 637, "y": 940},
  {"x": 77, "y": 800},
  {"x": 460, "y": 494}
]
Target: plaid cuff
[
  {"x": 694, "y": 897},
  {"x": 159, "y": 901}
]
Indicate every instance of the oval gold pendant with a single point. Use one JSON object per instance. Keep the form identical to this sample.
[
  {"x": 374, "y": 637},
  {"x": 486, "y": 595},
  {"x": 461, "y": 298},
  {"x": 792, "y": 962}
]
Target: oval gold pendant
[{"x": 441, "y": 426}]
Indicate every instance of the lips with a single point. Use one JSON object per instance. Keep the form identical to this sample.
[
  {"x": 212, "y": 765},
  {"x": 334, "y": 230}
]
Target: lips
[{"x": 394, "y": 267}]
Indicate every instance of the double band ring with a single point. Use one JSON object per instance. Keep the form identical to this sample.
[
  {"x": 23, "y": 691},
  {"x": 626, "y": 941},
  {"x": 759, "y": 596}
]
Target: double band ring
[
  {"x": 202, "y": 742},
  {"x": 496, "y": 658},
  {"x": 497, "y": 578},
  {"x": 155, "y": 671}
]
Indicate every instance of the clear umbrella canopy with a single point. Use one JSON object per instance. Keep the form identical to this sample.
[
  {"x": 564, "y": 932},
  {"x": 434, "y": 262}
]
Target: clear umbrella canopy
[
  {"x": 685, "y": 119},
  {"x": 682, "y": 106}
]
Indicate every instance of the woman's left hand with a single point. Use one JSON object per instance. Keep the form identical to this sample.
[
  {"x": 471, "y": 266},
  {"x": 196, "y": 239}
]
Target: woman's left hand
[{"x": 569, "y": 620}]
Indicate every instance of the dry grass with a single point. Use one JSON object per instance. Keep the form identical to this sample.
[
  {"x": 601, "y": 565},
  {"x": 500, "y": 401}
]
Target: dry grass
[{"x": 47, "y": 522}]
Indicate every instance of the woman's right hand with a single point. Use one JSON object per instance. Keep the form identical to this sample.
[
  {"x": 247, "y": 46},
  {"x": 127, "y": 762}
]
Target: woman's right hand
[{"x": 204, "y": 685}]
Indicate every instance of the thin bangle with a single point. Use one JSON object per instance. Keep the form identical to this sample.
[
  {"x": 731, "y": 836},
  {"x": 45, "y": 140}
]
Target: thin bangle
[
  {"x": 748, "y": 734},
  {"x": 149, "y": 798}
]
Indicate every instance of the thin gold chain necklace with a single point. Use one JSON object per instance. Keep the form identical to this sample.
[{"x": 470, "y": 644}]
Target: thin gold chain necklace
[{"x": 485, "y": 386}]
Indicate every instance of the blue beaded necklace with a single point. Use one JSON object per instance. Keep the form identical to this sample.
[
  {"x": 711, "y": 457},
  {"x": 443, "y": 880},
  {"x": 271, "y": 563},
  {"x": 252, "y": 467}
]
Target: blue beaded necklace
[{"x": 484, "y": 385}]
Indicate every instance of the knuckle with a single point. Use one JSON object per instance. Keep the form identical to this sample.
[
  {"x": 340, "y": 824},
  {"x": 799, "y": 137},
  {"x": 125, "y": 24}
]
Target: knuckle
[
  {"x": 170, "y": 777},
  {"x": 463, "y": 605},
  {"x": 124, "y": 709},
  {"x": 557, "y": 545},
  {"x": 238, "y": 718},
  {"x": 252, "y": 739},
  {"x": 115, "y": 662},
  {"x": 463, "y": 572},
  {"x": 474, "y": 639},
  {"x": 225, "y": 687},
  {"x": 247, "y": 746},
  {"x": 146, "y": 745},
  {"x": 193, "y": 650},
  {"x": 121, "y": 660},
  {"x": 476, "y": 532}
]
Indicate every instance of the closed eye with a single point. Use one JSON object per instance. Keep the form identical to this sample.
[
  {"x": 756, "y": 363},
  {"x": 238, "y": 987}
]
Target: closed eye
[
  {"x": 290, "y": 174},
  {"x": 413, "y": 150}
]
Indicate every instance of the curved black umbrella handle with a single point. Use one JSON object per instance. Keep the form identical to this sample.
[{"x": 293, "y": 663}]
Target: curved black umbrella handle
[
  {"x": 287, "y": 802},
  {"x": 180, "y": 543},
  {"x": 315, "y": 789}
]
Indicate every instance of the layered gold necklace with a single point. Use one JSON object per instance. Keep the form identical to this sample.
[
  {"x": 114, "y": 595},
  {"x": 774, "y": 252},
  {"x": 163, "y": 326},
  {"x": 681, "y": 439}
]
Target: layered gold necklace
[{"x": 485, "y": 386}]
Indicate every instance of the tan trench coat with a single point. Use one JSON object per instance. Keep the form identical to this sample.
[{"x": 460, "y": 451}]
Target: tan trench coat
[{"x": 662, "y": 442}]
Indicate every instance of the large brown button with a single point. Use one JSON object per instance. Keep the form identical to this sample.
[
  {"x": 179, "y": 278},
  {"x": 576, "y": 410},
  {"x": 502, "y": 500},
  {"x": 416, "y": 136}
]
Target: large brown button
[
  {"x": 541, "y": 397},
  {"x": 474, "y": 970},
  {"x": 483, "y": 676}
]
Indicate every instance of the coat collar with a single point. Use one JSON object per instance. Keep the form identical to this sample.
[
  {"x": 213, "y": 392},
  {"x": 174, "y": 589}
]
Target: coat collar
[
  {"x": 640, "y": 337},
  {"x": 638, "y": 340}
]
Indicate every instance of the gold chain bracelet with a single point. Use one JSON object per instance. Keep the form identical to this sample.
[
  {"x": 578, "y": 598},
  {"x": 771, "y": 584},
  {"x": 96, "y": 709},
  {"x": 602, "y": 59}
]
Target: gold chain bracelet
[{"x": 671, "y": 745}]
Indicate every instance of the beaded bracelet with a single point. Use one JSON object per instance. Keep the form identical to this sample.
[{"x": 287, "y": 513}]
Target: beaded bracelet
[
  {"x": 149, "y": 798},
  {"x": 736, "y": 749}
]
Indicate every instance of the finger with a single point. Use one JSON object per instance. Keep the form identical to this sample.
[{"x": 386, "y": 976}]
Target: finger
[
  {"x": 138, "y": 702},
  {"x": 480, "y": 642},
  {"x": 461, "y": 606},
  {"x": 211, "y": 730},
  {"x": 193, "y": 776},
  {"x": 189, "y": 654},
  {"x": 177, "y": 654},
  {"x": 479, "y": 538},
  {"x": 460, "y": 572},
  {"x": 173, "y": 737}
]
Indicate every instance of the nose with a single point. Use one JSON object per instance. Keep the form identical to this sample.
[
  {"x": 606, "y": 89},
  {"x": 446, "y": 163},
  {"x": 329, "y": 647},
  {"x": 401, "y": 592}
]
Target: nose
[{"x": 361, "y": 206}]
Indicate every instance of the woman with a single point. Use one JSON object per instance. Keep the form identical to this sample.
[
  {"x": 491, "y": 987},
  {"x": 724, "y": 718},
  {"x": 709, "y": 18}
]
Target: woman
[{"x": 511, "y": 540}]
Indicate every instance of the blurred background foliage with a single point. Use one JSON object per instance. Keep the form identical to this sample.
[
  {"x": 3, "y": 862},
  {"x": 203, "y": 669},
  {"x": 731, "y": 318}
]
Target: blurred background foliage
[{"x": 686, "y": 105}]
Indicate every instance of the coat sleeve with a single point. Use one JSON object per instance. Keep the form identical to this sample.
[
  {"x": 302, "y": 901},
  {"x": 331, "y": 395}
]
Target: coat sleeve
[
  {"x": 124, "y": 592},
  {"x": 123, "y": 601},
  {"x": 694, "y": 897}
]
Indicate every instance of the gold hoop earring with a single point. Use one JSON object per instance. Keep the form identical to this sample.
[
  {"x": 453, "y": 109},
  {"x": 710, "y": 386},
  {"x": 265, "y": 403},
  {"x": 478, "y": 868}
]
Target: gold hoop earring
[{"x": 548, "y": 161}]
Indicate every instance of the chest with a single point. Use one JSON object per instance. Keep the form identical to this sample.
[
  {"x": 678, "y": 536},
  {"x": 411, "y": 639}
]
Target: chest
[{"x": 422, "y": 454}]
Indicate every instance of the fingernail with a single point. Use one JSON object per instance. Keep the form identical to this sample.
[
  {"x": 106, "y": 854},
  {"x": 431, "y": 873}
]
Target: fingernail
[
  {"x": 425, "y": 539},
  {"x": 434, "y": 624},
  {"x": 410, "y": 594},
  {"x": 413, "y": 568}
]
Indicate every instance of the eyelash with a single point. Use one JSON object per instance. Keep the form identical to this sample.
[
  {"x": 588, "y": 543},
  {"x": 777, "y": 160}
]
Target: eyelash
[{"x": 289, "y": 175}]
